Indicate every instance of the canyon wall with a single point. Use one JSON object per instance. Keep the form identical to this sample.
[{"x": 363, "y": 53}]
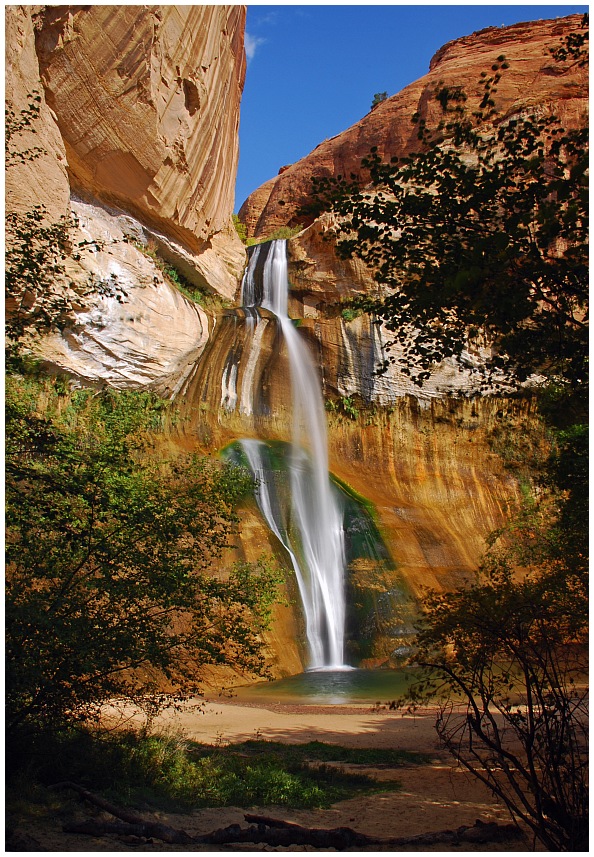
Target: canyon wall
[
  {"x": 440, "y": 470},
  {"x": 533, "y": 81},
  {"x": 136, "y": 138},
  {"x": 441, "y": 463}
]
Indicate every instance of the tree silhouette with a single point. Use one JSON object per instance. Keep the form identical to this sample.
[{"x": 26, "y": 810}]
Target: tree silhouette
[{"x": 480, "y": 238}]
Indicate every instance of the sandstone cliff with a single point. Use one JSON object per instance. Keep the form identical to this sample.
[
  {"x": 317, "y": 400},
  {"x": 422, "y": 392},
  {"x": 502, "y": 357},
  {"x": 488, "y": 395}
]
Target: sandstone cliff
[
  {"x": 431, "y": 460},
  {"x": 138, "y": 119},
  {"x": 351, "y": 350},
  {"x": 434, "y": 469},
  {"x": 137, "y": 132},
  {"x": 532, "y": 79}
]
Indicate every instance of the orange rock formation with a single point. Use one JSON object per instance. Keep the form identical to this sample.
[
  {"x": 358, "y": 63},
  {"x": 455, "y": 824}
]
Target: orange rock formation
[
  {"x": 532, "y": 79},
  {"x": 140, "y": 111},
  {"x": 136, "y": 136}
]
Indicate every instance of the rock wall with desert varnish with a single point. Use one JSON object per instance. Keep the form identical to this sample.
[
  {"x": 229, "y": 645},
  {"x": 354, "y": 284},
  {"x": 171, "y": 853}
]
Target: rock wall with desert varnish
[
  {"x": 440, "y": 470},
  {"x": 147, "y": 102},
  {"x": 136, "y": 138}
]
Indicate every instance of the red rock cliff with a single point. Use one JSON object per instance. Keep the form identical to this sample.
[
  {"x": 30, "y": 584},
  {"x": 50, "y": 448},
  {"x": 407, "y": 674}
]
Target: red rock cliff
[{"x": 533, "y": 78}]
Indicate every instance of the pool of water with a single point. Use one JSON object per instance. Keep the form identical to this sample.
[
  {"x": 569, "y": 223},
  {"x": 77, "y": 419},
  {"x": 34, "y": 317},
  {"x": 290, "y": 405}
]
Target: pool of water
[{"x": 331, "y": 687}]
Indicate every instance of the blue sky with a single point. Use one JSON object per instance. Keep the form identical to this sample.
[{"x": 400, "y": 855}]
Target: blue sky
[{"x": 313, "y": 70}]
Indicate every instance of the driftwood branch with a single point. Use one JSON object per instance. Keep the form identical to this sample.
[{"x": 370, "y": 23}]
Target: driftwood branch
[
  {"x": 146, "y": 830},
  {"x": 273, "y": 831},
  {"x": 96, "y": 800},
  {"x": 131, "y": 824}
]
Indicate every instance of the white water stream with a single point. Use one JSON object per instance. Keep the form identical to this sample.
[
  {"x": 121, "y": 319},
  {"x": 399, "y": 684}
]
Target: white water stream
[{"x": 316, "y": 540}]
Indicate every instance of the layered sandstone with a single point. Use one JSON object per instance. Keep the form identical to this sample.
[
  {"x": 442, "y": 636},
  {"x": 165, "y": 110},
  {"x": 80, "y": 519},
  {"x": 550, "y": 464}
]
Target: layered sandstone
[
  {"x": 134, "y": 329},
  {"x": 147, "y": 103},
  {"x": 532, "y": 80},
  {"x": 137, "y": 121},
  {"x": 39, "y": 178},
  {"x": 435, "y": 468}
]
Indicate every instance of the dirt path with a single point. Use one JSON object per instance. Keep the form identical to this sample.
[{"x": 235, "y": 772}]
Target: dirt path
[{"x": 433, "y": 797}]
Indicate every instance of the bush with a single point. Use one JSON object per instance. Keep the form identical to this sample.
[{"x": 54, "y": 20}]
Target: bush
[
  {"x": 378, "y": 98},
  {"x": 240, "y": 228},
  {"x": 112, "y": 585}
]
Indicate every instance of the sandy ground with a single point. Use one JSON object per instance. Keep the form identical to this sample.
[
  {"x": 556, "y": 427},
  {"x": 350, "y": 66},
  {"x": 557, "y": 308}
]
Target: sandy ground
[{"x": 433, "y": 797}]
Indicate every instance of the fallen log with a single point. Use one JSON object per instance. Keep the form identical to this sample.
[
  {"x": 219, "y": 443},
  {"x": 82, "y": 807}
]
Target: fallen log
[
  {"x": 131, "y": 823},
  {"x": 479, "y": 833},
  {"x": 146, "y": 830},
  {"x": 274, "y": 831},
  {"x": 290, "y": 834},
  {"x": 96, "y": 800}
]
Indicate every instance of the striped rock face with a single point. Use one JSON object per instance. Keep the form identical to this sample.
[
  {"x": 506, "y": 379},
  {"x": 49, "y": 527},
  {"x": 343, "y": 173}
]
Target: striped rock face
[{"x": 139, "y": 112}]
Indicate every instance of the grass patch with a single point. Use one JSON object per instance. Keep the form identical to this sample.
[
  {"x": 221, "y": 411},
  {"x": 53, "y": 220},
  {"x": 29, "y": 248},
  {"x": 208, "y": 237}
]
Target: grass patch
[
  {"x": 283, "y": 233},
  {"x": 171, "y": 774},
  {"x": 319, "y": 751},
  {"x": 207, "y": 299}
]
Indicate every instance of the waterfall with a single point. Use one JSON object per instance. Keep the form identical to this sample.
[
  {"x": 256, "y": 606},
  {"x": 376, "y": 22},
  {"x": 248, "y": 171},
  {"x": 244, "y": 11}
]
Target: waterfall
[{"x": 314, "y": 537}]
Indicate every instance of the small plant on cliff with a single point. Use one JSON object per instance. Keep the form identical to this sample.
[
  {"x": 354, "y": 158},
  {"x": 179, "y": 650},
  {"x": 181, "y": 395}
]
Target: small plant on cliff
[
  {"x": 283, "y": 233},
  {"x": 343, "y": 405},
  {"x": 208, "y": 300},
  {"x": 347, "y": 406},
  {"x": 350, "y": 313},
  {"x": 378, "y": 98},
  {"x": 240, "y": 228}
]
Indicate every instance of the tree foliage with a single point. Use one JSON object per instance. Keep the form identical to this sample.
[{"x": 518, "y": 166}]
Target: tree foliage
[
  {"x": 507, "y": 661},
  {"x": 507, "y": 658},
  {"x": 40, "y": 297},
  {"x": 17, "y": 123},
  {"x": 112, "y": 581},
  {"x": 113, "y": 588},
  {"x": 378, "y": 98},
  {"x": 480, "y": 237}
]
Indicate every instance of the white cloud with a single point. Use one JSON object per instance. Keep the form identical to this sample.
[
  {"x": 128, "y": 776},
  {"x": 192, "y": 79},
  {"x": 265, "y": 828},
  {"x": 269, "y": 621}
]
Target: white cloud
[{"x": 252, "y": 43}]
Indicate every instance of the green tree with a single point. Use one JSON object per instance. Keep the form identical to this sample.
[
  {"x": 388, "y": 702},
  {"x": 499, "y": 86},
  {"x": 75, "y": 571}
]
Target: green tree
[
  {"x": 113, "y": 589},
  {"x": 112, "y": 581},
  {"x": 378, "y": 98},
  {"x": 506, "y": 660},
  {"x": 481, "y": 237}
]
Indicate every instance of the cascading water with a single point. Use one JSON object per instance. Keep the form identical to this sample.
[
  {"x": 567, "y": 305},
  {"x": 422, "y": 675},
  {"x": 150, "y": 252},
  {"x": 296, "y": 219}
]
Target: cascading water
[{"x": 314, "y": 536}]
